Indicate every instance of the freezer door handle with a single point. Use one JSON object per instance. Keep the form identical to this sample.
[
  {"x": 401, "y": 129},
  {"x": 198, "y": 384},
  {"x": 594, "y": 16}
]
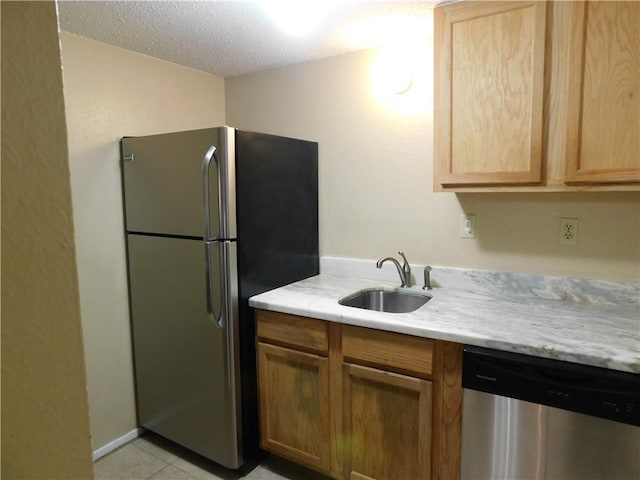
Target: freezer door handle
[{"x": 206, "y": 191}]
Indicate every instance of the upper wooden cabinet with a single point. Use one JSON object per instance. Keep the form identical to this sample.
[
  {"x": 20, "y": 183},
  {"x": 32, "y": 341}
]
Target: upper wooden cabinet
[
  {"x": 603, "y": 116},
  {"x": 490, "y": 58},
  {"x": 537, "y": 96}
]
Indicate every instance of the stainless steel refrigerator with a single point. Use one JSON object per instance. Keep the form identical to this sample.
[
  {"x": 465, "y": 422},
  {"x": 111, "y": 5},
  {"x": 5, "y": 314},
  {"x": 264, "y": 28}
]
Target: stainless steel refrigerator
[{"x": 212, "y": 217}]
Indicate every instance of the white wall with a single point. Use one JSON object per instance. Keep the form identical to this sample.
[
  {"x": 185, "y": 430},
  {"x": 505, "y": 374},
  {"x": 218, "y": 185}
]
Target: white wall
[
  {"x": 110, "y": 93},
  {"x": 376, "y": 163},
  {"x": 45, "y": 415}
]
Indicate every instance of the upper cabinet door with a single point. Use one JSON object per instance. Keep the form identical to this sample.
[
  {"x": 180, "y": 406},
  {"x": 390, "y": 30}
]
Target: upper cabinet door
[
  {"x": 603, "y": 123},
  {"x": 489, "y": 92}
]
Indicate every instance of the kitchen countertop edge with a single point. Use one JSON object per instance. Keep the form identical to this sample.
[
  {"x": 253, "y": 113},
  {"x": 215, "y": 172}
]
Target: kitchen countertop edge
[{"x": 598, "y": 335}]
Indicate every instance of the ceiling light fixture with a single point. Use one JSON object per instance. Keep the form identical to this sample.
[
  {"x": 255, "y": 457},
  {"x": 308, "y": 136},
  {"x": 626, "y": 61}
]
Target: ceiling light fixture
[
  {"x": 392, "y": 71},
  {"x": 297, "y": 17},
  {"x": 402, "y": 78}
]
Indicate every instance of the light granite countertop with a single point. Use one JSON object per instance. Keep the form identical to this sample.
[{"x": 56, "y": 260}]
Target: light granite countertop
[{"x": 602, "y": 334}]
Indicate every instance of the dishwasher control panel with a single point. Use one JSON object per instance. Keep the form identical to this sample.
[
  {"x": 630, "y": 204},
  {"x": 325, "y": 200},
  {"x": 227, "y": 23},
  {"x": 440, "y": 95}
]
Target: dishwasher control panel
[{"x": 596, "y": 391}]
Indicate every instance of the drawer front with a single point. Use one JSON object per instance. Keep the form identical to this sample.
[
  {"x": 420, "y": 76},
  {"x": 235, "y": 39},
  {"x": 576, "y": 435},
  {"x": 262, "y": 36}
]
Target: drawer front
[
  {"x": 405, "y": 353},
  {"x": 292, "y": 330}
]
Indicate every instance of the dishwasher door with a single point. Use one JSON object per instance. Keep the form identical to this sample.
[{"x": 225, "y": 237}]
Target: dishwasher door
[
  {"x": 526, "y": 417},
  {"x": 508, "y": 439}
]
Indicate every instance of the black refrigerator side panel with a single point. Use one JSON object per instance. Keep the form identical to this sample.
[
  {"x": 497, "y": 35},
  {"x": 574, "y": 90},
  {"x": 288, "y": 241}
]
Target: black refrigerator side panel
[
  {"x": 277, "y": 198},
  {"x": 277, "y": 212}
]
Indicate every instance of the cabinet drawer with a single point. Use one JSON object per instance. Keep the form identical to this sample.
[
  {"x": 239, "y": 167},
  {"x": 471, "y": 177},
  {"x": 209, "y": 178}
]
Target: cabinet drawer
[
  {"x": 388, "y": 350},
  {"x": 292, "y": 330}
]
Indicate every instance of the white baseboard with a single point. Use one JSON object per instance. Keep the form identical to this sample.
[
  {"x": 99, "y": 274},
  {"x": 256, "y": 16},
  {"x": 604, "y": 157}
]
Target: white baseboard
[{"x": 118, "y": 442}]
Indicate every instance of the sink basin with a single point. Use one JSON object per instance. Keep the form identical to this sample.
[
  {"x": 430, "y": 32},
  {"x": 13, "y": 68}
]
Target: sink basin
[{"x": 386, "y": 300}]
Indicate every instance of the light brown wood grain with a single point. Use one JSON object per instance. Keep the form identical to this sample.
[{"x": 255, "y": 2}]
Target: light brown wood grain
[
  {"x": 603, "y": 114},
  {"x": 591, "y": 52},
  {"x": 294, "y": 405},
  {"x": 362, "y": 410},
  {"x": 292, "y": 330},
  {"x": 451, "y": 411},
  {"x": 388, "y": 419},
  {"x": 489, "y": 92},
  {"x": 388, "y": 350},
  {"x": 338, "y": 439}
]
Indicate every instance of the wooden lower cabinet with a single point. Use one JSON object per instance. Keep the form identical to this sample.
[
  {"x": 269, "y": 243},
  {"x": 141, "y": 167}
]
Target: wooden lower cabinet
[
  {"x": 387, "y": 425},
  {"x": 294, "y": 405},
  {"x": 358, "y": 403}
]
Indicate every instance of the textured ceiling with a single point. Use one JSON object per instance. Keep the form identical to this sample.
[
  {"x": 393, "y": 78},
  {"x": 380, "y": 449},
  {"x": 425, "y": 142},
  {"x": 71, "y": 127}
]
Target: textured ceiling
[{"x": 231, "y": 38}]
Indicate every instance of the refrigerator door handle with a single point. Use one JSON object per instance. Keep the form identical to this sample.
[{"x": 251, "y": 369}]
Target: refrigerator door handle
[
  {"x": 206, "y": 194},
  {"x": 226, "y": 309},
  {"x": 225, "y": 317},
  {"x": 217, "y": 320},
  {"x": 224, "y": 284}
]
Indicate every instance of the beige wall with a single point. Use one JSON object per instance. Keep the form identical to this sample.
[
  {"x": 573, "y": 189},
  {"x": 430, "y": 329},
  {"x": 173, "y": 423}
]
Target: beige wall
[
  {"x": 375, "y": 185},
  {"x": 111, "y": 93},
  {"x": 45, "y": 419},
  {"x": 376, "y": 157}
]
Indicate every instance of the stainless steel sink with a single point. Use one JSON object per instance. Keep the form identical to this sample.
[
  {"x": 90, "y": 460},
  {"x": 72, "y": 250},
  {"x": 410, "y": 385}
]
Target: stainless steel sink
[{"x": 386, "y": 300}]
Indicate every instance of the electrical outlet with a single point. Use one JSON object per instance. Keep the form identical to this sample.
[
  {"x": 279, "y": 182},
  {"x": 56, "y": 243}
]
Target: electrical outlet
[
  {"x": 467, "y": 226},
  {"x": 568, "y": 231}
]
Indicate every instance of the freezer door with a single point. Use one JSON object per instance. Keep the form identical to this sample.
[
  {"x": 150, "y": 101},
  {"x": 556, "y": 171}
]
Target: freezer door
[
  {"x": 186, "y": 366},
  {"x": 168, "y": 178}
]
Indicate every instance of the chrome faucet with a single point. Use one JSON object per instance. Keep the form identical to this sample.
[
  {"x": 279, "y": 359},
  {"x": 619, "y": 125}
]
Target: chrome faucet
[{"x": 404, "y": 271}]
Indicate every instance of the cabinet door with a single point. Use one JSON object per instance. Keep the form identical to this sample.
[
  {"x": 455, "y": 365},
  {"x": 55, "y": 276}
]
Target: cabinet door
[
  {"x": 489, "y": 92},
  {"x": 603, "y": 124},
  {"x": 386, "y": 425},
  {"x": 294, "y": 405}
]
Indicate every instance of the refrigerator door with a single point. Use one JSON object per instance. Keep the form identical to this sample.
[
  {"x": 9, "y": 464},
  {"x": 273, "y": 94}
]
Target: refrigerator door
[
  {"x": 174, "y": 184},
  {"x": 187, "y": 367}
]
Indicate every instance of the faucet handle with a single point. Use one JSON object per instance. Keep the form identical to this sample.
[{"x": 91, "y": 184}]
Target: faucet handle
[{"x": 406, "y": 271}]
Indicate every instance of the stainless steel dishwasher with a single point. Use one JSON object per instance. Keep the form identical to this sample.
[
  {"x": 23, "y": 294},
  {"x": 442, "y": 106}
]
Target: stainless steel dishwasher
[{"x": 527, "y": 417}]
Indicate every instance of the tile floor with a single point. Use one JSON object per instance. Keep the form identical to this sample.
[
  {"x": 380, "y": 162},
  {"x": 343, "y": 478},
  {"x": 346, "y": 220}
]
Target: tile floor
[{"x": 152, "y": 457}]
